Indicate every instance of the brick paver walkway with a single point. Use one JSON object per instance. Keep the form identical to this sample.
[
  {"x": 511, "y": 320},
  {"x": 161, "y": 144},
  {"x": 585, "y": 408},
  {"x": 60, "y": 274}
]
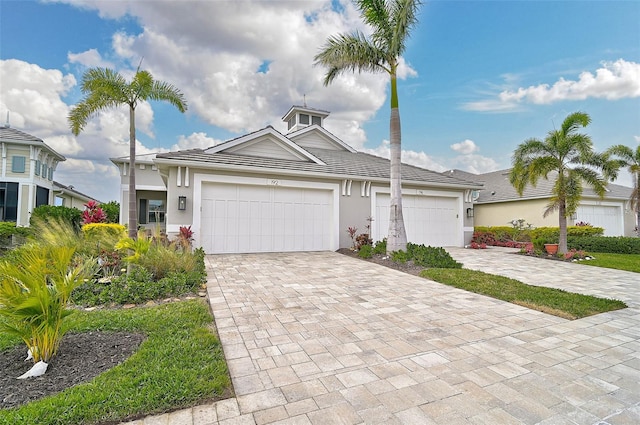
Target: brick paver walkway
[{"x": 321, "y": 338}]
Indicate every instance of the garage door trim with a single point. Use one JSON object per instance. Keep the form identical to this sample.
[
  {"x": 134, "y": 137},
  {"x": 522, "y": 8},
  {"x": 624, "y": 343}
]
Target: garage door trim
[{"x": 199, "y": 179}]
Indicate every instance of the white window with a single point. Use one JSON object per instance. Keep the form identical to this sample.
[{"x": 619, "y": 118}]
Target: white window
[
  {"x": 316, "y": 120},
  {"x": 304, "y": 119}
]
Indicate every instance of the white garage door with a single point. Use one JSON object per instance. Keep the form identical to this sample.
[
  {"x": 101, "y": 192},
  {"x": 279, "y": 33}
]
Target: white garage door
[
  {"x": 244, "y": 218},
  {"x": 429, "y": 220},
  {"x": 605, "y": 216}
]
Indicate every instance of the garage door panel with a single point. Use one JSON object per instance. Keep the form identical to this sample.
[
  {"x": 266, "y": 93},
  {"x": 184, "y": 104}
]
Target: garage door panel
[
  {"x": 428, "y": 220},
  {"x": 608, "y": 217},
  {"x": 245, "y": 218}
]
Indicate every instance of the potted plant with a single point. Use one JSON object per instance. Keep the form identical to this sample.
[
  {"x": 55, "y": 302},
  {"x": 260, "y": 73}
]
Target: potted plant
[{"x": 551, "y": 248}]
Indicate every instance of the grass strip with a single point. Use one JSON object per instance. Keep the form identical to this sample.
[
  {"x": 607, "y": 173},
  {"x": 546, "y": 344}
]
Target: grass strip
[
  {"x": 627, "y": 262},
  {"x": 549, "y": 300},
  {"x": 180, "y": 364}
]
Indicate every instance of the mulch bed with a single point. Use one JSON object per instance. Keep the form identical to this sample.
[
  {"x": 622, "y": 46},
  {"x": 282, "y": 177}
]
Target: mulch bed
[
  {"x": 80, "y": 358},
  {"x": 385, "y": 260}
]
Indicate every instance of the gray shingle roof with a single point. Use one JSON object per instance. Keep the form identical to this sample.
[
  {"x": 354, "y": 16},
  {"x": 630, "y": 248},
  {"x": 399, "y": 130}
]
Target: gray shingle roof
[
  {"x": 498, "y": 189},
  {"x": 11, "y": 135},
  {"x": 338, "y": 163}
]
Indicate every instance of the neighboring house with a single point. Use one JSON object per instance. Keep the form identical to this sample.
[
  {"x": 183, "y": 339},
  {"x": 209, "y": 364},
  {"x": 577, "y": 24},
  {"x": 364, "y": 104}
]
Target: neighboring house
[
  {"x": 26, "y": 178},
  {"x": 499, "y": 203},
  {"x": 67, "y": 196},
  {"x": 270, "y": 192}
]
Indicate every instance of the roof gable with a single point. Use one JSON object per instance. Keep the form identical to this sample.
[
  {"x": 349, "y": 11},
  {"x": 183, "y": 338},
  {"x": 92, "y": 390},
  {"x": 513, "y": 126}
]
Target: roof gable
[
  {"x": 265, "y": 143},
  {"x": 317, "y": 137}
]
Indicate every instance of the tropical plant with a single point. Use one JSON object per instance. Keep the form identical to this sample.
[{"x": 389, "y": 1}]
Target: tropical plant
[
  {"x": 35, "y": 287},
  {"x": 105, "y": 89},
  {"x": 137, "y": 247},
  {"x": 630, "y": 159},
  {"x": 391, "y": 22},
  {"x": 93, "y": 213},
  {"x": 568, "y": 157}
]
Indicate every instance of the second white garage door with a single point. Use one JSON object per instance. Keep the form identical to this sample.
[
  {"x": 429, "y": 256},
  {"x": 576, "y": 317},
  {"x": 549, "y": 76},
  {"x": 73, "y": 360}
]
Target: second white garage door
[
  {"x": 605, "y": 216},
  {"x": 429, "y": 220},
  {"x": 240, "y": 218}
]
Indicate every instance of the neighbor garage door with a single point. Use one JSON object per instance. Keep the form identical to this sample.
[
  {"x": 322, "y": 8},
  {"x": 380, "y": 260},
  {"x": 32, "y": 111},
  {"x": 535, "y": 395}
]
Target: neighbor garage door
[
  {"x": 605, "y": 216},
  {"x": 429, "y": 220},
  {"x": 245, "y": 218}
]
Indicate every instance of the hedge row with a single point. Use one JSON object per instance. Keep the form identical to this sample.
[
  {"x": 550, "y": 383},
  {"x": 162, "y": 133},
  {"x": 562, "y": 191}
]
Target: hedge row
[
  {"x": 548, "y": 234},
  {"x": 608, "y": 244}
]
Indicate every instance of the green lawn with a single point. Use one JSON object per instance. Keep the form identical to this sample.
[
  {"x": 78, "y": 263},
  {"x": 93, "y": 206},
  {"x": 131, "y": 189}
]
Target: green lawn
[
  {"x": 628, "y": 262},
  {"x": 180, "y": 364},
  {"x": 549, "y": 300}
]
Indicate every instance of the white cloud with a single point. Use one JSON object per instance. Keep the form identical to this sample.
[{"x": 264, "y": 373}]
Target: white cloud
[
  {"x": 614, "y": 80},
  {"x": 33, "y": 96},
  {"x": 465, "y": 147},
  {"x": 194, "y": 141},
  {"x": 89, "y": 58},
  {"x": 637, "y": 138},
  {"x": 419, "y": 159},
  {"x": 476, "y": 164}
]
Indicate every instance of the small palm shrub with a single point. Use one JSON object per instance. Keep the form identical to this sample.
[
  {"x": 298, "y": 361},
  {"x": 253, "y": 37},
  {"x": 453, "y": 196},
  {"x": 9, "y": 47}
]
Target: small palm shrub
[{"x": 35, "y": 288}]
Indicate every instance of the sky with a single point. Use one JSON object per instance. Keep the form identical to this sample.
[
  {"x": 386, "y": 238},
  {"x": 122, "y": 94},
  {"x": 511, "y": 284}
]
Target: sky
[{"x": 477, "y": 78}]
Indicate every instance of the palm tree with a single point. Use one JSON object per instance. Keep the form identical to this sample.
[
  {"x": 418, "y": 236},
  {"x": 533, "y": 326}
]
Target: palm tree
[
  {"x": 568, "y": 157},
  {"x": 104, "y": 89},
  {"x": 630, "y": 159},
  {"x": 391, "y": 22}
]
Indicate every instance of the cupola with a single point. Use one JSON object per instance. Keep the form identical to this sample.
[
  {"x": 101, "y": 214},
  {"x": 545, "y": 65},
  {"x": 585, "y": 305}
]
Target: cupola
[{"x": 300, "y": 117}]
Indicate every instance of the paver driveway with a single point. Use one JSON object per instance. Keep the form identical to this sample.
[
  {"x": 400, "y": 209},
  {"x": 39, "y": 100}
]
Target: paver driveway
[{"x": 322, "y": 338}]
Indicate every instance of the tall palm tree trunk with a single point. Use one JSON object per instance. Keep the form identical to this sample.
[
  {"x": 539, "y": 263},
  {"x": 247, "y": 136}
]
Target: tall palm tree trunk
[
  {"x": 133, "y": 219},
  {"x": 638, "y": 205},
  {"x": 562, "y": 224},
  {"x": 397, "y": 238}
]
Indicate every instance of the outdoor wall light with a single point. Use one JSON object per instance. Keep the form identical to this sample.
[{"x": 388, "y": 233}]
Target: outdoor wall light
[
  {"x": 470, "y": 212},
  {"x": 182, "y": 203}
]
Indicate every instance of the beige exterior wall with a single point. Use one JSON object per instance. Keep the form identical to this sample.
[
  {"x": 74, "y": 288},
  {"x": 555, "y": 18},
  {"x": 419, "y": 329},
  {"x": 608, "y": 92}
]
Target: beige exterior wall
[{"x": 501, "y": 214}]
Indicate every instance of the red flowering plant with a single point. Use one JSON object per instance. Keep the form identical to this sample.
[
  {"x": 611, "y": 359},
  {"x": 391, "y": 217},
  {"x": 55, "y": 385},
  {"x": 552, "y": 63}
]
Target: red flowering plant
[
  {"x": 93, "y": 213},
  {"x": 185, "y": 236}
]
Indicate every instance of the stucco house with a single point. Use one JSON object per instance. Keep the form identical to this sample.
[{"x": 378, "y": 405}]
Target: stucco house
[
  {"x": 498, "y": 203},
  {"x": 26, "y": 177},
  {"x": 300, "y": 191}
]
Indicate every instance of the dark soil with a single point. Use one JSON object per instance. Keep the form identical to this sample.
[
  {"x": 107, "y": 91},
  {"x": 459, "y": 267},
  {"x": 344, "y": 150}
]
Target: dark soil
[
  {"x": 385, "y": 260},
  {"x": 80, "y": 358}
]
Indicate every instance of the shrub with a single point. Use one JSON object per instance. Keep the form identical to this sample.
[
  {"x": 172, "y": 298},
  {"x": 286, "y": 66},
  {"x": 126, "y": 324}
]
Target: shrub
[
  {"x": 35, "y": 288},
  {"x": 608, "y": 244},
  {"x": 366, "y": 251},
  {"x": 362, "y": 240},
  {"x": 381, "y": 247},
  {"x": 399, "y": 256},
  {"x": 101, "y": 236},
  {"x": 428, "y": 256},
  {"x": 161, "y": 260},
  {"x": 140, "y": 286},
  {"x": 112, "y": 210},
  {"x": 72, "y": 216}
]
